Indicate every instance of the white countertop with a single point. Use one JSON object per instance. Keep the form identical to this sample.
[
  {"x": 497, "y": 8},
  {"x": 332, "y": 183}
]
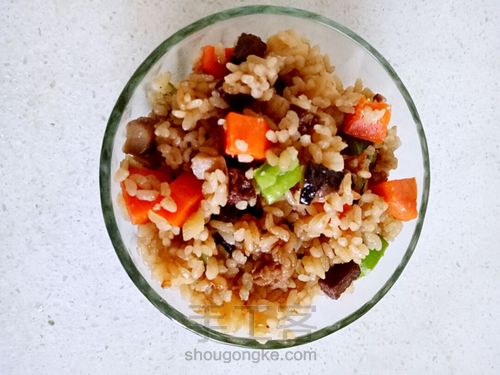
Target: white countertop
[{"x": 68, "y": 307}]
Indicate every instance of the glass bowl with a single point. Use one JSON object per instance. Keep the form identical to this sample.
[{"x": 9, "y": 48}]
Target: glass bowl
[{"x": 353, "y": 57}]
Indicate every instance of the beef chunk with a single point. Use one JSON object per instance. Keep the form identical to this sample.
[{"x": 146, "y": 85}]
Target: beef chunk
[
  {"x": 152, "y": 160},
  {"x": 229, "y": 213},
  {"x": 248, "y": 44},
  {"x": 140, "y": 136},
  {"x": 316, "y": 178},
  {"x": 307, "y": 120},
  {"x": 239, "y": 187},
  {"x": 233, "y": 162},
  {"x": 338, "y": 278}
]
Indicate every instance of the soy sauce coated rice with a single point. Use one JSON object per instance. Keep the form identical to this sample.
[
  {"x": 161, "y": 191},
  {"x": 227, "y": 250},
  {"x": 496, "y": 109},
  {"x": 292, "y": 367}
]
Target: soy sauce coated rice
[{"x": 236, "y": 251}]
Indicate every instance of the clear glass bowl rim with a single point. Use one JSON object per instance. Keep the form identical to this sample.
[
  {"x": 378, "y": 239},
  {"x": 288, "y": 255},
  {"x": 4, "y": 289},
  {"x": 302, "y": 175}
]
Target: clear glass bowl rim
[{"x": 105, "y": 178}]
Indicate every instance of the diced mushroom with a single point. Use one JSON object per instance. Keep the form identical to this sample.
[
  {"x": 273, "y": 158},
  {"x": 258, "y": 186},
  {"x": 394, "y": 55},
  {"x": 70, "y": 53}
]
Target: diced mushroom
[
  {"x": 239, "y": 187},
  {"x": 202, "y": 163},
  {"x": 229, "y": 213},
  {"x": 140, "y": 136},
  {"x": 318, "y": 178},
  {"x": 338, "y": 278}
]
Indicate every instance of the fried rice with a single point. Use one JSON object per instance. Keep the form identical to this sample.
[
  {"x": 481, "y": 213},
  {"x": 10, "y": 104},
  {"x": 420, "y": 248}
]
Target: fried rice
[{"x": 241, "y": 256}]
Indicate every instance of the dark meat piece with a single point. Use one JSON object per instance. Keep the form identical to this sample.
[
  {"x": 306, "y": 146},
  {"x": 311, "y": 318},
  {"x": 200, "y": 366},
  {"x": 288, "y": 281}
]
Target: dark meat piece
[
  {"x": 239, "y": 187},
  {"x": 230, "y": 214},
  {"x": 307, "y": 120},
  {"x": 379, "y": 98},
  {"x": 233, "y": 162},
  {"x": 247, "y": 44},
  {"x": 236, "y": 102},
  {"x": 338, "y": 278},
  {"x": 220, "y": 241},
  {"x": 140, "y": 136},
  {"x": 267, "y": 270},
  {"x": 151, "y": 160},
  {"x": 318, "y": 177}
]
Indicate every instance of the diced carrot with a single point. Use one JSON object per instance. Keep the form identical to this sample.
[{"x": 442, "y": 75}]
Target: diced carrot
[
  {"x": 137, "y": 209},
  {"x": 210, "y": 64},
  {"x": 186, "y": 192},
  {"x": 401, "y": 196},
  {"x": 360, "y": 125},
  {"x": 246, "y": 135}
]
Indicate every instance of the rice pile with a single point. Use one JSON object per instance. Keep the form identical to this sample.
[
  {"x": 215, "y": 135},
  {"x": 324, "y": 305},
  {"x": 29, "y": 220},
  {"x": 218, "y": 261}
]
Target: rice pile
[{"x": 278, "y": 260}]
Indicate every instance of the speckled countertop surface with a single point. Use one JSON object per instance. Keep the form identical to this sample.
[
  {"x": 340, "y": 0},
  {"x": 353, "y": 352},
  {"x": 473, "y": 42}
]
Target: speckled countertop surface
[{"x": 67, "y": 306}]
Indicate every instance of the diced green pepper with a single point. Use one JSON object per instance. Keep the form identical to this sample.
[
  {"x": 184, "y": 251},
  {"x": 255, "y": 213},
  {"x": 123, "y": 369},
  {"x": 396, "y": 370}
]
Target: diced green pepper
[
  {"x": 273, "y": 183},
  {"x": 373, "y": 257},
  {"x": 266, "y": 176}
]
